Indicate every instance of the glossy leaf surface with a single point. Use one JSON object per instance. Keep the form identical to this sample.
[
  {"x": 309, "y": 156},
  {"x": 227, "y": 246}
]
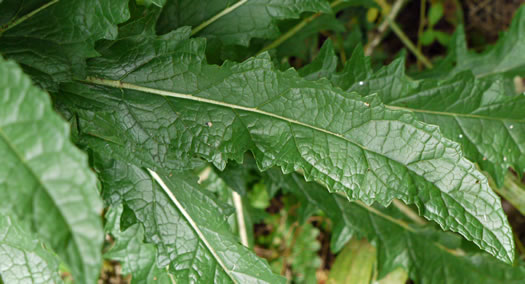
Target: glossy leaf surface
[{"x": 147, "y": 110}]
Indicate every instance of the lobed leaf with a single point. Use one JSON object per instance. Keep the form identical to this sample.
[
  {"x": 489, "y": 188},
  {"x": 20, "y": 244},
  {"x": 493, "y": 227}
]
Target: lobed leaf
[
  {"x": 167, "y": 106},
  {"x": 489, "y": 124},
  {"x": 186, "y": 224}
]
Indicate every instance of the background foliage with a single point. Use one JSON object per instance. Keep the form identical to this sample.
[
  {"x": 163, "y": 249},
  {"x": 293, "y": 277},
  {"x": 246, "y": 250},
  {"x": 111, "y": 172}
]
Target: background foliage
[{"x": 262, "y": 141}]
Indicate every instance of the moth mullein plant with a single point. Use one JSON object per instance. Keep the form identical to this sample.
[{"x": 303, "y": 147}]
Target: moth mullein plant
[{"x": 142, "y": 134}]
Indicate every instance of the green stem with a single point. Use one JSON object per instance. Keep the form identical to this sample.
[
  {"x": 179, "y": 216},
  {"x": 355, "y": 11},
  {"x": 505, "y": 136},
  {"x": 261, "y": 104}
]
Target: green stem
[
  {"x": 295, "y": 29},
  {"x": 422, "y": 20},
  {"x": 20, "y": 20},
  {"x": 456, "y": 252},
  {"x": 239, "y": 212},
  {"x": 512, "y": 190},
  {"x": 218, "y": 16},
  {"x": 376, "y": 39},
  {"x": 408, "y": 43},
  {"x": 383, "y": 215},
  {"x": 409, "y": 212}
]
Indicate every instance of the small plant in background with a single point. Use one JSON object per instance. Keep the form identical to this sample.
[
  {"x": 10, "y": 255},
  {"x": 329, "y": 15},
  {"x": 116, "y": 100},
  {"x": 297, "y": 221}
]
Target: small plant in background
[
  {"x": 258, "y": 141},
  {"x": 435, "y": 13}
]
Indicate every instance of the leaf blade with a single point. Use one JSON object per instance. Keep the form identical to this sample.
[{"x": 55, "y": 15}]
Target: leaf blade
[
  {"x": 349, "y": 143},
  {"x": 22, "y": 257},
  {"x": 234, "y": 27},
  {"x": 429, "y": 255},
  {"x": 178, "y": 244},
  {"x": 45, "y": 180}
]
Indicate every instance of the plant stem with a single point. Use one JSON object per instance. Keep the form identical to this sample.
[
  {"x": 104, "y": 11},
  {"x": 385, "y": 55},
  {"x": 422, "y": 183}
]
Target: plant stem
[
  {"x": 382, "y": 28},
  {"x": 241, "y": 224},
  {"x": 512, "y": 190},
  {"x": 224, "y": 12},
  {"x": 389, "y": 218},
  {"x": 289, "y": 33},
  {"x": 408, "y": 43},
  {"x": 422, "y": 20},
  {"x": 20, "y": 20},
  {"x": 409, "y": 212},
  {"x": 295, "y": 29}
]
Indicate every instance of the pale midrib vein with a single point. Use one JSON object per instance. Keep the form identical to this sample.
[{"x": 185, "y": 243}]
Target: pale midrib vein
[
  {"x": 221, "y": 14},
  {"x": 192, "y": 223},
  {"x": 453, "y": 114},
  {"x": 20, "y": 20},
  {"x": 402, "y": 224},
  {"x": 123, "y": 85}
]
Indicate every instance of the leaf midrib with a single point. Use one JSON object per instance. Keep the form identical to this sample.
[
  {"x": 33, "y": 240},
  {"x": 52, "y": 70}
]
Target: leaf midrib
[
  {"x": 454, "y": 114},
  {"x": 192, "y": 223},
  {"x": 123, "y": 85}
]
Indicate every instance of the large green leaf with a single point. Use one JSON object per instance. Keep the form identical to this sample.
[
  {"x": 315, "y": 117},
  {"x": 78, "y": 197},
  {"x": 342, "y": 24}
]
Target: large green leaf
[
  {"x": 22, "y": 259},
  {"x": 429, "y": 255},
  {"x": 188, "y": 226},
  {"x": 138, "y": 259},
  {"x": 489, "y": 124},
  {"x": 167, "y": 105},
  {"x": 44, "y": 180},
  {"x": 243, "y": 20},
  {"x": 53, "y": 37}
]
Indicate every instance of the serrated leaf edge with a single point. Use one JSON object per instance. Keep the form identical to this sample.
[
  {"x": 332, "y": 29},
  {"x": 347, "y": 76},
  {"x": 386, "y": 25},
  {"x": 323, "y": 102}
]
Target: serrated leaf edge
[{"x": 130, "y": 86}]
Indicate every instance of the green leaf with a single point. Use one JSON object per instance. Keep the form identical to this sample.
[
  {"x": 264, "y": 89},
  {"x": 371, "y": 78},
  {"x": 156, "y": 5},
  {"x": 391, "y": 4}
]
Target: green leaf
[
  {"x": 235, "y": 22},
  {"x": 427, "y": 38},
  {"x": 22, "y": 259},
  {"x": 323, "y": 65},
  {"x": 435, "y": 13},
  {"x": 239, "y": 176},
  {"x": 54, "y": 42},
  {"x": 304, "y": 256},
  {"x": 241, "y": 222},
  {"x": 300, "y": 44},
  {"x": 354, "y": 264},
  {"x": 137, "y": 258},
  {"x": 476, "y": 113},
  {"x": 442, "y": 37},
  {"x": 158, "y": 3},
  {"x": 507, "y": 56},
  {"x": 187, "y": 225},
  {"x": 429, "y": 255},
  {"x": 146, "y": 109},
  {"x": 44, "y": 179}
]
